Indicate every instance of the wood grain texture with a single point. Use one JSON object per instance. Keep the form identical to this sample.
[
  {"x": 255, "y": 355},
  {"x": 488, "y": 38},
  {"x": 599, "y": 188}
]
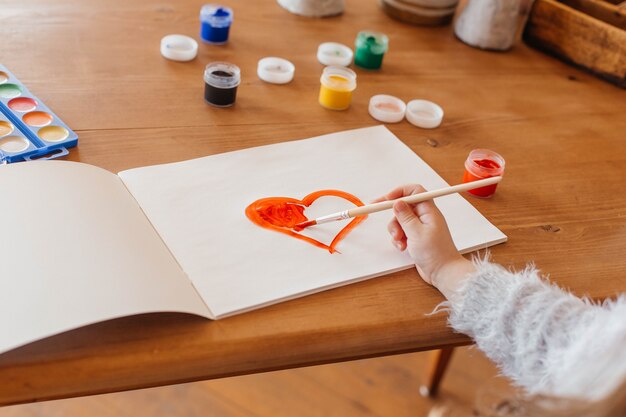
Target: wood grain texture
[
  {"x": 96, "y": 64},
  {"x": 581, "y": 38},
  {"x": 379, "y": 387},
  {"x": 602, "y": 10}
]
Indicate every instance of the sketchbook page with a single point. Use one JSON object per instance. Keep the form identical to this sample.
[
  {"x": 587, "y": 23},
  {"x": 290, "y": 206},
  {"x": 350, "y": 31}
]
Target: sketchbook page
[
  {"x": 198, "y": 208},
  {"x": 77, "y": 249}
]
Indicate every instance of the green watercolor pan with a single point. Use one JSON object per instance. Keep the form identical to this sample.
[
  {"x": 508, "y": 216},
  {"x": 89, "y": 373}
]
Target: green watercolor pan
[{"x": 28, "y": 128}]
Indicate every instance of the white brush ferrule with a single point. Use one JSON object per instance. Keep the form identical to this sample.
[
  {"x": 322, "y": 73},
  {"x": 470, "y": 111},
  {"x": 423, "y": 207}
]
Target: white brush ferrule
[{"x": 333, "y": 217}]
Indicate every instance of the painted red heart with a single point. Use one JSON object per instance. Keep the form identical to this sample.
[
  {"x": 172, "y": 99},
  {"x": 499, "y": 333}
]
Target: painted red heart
[{"x": 282, "y": 214}]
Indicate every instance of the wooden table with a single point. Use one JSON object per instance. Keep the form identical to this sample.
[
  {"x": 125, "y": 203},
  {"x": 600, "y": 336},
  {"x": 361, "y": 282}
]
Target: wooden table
[{"x": 96, "y": 63}]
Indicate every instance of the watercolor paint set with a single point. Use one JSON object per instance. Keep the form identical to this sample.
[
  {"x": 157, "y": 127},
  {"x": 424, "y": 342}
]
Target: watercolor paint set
[{"x": 28, "y": 128}]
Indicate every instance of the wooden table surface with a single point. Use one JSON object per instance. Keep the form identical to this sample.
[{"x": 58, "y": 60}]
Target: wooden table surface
[{"x": 96, "y": 63}]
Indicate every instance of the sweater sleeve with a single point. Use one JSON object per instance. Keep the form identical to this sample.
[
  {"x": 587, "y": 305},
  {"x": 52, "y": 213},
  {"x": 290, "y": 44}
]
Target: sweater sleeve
[{"x": 545, "y": 339}]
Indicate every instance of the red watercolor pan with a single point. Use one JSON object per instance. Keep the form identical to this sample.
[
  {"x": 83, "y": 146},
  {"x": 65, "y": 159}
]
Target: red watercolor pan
[{"x": 22, "y": 104}]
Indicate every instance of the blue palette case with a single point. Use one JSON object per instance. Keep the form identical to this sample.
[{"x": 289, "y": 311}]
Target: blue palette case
[{"x": 28, "y": 128}]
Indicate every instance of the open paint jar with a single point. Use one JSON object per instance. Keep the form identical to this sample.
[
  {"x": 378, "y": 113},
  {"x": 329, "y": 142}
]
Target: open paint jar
[
  {"x": 215, "y": 21},
  {"x": 221, "y": 80},
  {"x": 480, "y": 164},
  {"x": 370, "y": 49},
  {"x": 337, "y": 85}
]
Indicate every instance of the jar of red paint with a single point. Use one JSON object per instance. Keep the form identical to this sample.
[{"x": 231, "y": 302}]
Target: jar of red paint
[{"x": 483, "y": 163}]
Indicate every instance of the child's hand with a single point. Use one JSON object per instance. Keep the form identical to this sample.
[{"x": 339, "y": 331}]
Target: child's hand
[{"x": 422, "y": 230}]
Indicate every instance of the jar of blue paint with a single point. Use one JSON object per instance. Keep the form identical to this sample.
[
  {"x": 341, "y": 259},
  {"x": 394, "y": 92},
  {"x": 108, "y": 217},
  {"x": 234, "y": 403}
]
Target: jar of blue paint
[{"x": 215, "y": 21}]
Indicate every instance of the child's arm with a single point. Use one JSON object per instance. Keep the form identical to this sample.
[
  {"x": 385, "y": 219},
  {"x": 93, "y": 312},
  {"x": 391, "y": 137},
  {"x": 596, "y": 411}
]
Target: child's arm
[{"x": 545, "y": 339}]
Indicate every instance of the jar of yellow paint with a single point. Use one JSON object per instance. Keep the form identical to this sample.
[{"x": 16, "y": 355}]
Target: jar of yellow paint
[{"x": 337, "y": 85}]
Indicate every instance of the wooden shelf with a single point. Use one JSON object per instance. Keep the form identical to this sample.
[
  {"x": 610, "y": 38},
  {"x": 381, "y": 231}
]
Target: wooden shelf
[{"x": 588, "y": 33}]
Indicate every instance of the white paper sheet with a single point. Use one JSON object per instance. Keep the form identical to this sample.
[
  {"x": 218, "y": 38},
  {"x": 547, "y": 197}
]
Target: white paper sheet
[
  {"x": 76, "y": 249},
  {"x": 198, "y": 206}
]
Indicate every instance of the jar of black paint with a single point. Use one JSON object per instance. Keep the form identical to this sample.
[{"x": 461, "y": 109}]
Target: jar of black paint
[{"x": 220, "y": 83}]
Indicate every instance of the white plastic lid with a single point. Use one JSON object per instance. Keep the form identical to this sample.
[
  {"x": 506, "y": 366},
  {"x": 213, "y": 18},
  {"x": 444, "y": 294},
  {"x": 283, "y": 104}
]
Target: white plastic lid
[
  {"x": 424, "y": 114},
  {"x": 387, "y": 109},
  {"x": 333, "y": 53},
  {"x": 275, "y": 70},
  {"x": 179, "y": 48}
]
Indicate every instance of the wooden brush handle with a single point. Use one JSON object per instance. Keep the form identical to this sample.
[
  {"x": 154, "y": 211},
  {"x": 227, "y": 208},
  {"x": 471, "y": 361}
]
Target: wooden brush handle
[{"x": 427, "y": 195}]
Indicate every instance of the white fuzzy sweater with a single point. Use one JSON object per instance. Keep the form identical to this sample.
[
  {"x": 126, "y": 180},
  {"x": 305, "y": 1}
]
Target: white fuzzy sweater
[{"x": 545, "y": 339}]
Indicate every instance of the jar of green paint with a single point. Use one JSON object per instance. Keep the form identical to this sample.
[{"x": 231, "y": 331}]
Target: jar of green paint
[{"x": 370, "y": 49}]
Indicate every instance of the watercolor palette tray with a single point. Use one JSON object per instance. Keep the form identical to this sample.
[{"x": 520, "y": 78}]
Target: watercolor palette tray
[{"x": 28, "y": 128}]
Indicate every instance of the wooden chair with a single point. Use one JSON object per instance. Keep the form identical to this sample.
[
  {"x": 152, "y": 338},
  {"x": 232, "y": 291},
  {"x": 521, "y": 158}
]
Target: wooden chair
[{"x": 437, "y": 365}]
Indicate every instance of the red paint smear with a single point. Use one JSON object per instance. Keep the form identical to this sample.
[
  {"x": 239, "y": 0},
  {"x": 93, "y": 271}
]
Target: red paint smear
[
  {"x": 387, "y": 106},
  {"x": 487, "y": 163},
  {"x": 282, "y": 214}
]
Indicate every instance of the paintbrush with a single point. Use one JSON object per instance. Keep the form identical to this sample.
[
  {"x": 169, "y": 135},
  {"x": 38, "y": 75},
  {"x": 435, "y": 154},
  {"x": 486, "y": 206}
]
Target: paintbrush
[{"x": 386, "y": 205}]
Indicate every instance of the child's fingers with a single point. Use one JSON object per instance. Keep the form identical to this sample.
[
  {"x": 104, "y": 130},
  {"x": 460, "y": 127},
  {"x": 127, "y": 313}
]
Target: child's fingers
[
  {"x": 395, "y": 230},
  {"x": 428, "y": 212},
  {"x": 405, "y": 190},
  {"x": 402, "y": 191},
  {"x": 406, "y": 216},
  {"x": 400, "y": 244}
]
